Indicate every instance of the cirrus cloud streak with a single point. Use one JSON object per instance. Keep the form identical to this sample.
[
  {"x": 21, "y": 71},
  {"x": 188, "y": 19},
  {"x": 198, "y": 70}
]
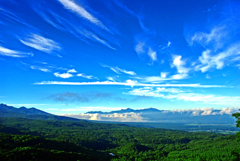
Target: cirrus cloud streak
[{"x": 127, "y": 83}]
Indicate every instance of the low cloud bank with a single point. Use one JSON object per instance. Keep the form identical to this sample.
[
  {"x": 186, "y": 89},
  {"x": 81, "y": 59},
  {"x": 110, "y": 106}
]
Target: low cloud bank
[
  {"x": 204, "y": 111},
  {"x": 198, "y": 115},
  {"x": 123, "y": 117}
]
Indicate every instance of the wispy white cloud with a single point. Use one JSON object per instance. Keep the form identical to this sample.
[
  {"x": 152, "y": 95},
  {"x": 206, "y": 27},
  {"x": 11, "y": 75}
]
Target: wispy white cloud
[
  {"x": 142, "y": 49},
  {"x": 236, "y": 59},
  {"x": 164, "y": 74},
  {"x": 169, "y": 43},
  {"x": 119, "y": 70},
  {"x": 125, "y": 71},
  {"x": 127, "y": 10},
  {"x": 162, "y": 78},
  {"x": 128, "y": 83},
  {"x": 167, "y": 90},
  {"x": 114, "y": 79},
  {"x": 82, "y": 12},
  {"x": 40, "y": 68},
  {"x": 185, "y": 96},
  {"x": 215, "y": 37},
  {"x": 139, "y": 47},
  {"x": 210, "y": 60},
  {"x": 220, "y": 44},
  {"x": 9, "y": 16},
  {"x": 179, "y": 64},
  {"x": 13, "y": 53},
  {"x": 152, "y": 54},
  {"x": 72, "y": 71},
  {"x": 166, "y": 46},
  {"x": 41, "y": 43},
  {"x": 63, "y": 75},
  {"x": 86, "y": 76},
  {"x": 152, "y": 79},
  {"x": 94, "y": 37},
  {"x": 208, "y": 77},
  {"x": 61, "y": 22}
]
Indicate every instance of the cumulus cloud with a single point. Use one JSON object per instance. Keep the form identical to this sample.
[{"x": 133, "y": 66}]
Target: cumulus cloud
[
  {"x": 163, "y": 74},
  {"x": 228, "y": 111},
  {"x": 205, "y": 111},
  {"x": 63, "y": 75},
  {"x": 179, "y": 76},
  {"x": 179, "y": 64},
  {"x": 41, "y": 43},
  {"x": 196, "y": 115},
  {"x": 123, "y": 117},
  {"x": 152, "y": 54},
  {"x": 66, "y": 75},
  {"x": 13, "y": 53},
  {"x": 72, "y": 71}
]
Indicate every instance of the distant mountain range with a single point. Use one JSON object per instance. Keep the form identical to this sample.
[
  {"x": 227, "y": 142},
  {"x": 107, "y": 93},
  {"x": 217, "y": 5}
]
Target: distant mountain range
[
  {"x": 30, "y": 113},
  {"x": 22, "y": 110},
  {"x": 128, "y": 110},
  {"x": 204, "y": 116}
]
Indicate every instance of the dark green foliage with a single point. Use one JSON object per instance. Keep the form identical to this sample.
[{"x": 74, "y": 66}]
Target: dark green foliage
[
  {"x": 220, "y": 128},
  {"x": 97, "y": 140},
  {"x": 237, "y": 116},
  {"x": 236, "y": 151},
  {"x": 26, "y": 147}
]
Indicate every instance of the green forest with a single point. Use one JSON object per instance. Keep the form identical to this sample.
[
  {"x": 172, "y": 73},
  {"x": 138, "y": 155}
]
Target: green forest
[
  {"x": 29, "y": 139},
  {"x": 34, "y": 135}
]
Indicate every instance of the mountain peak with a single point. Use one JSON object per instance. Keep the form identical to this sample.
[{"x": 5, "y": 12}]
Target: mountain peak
[
  {"x": 22, "y": 110},
  {"x": 31, "y": 113},
  {"x": 128, "y": 110}
]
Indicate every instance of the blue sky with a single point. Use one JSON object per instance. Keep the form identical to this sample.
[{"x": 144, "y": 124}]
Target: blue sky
[{"x": 73, "y": 56}]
